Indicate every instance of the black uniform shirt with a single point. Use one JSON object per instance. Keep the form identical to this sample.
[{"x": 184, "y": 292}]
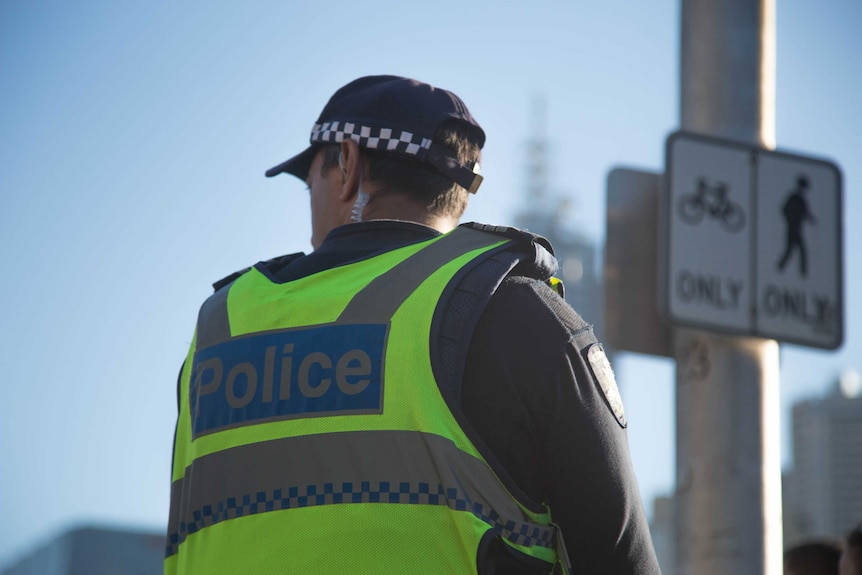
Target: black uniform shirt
[{"x": 529, "y": 394}]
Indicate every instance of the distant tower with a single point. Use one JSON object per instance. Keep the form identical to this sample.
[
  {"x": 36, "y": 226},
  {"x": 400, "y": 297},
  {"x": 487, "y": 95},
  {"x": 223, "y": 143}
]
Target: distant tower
[
  {"x": 548, "y": 215},
  {"x": 823, "y": 491},
  {"x": 537, "y": 153}
]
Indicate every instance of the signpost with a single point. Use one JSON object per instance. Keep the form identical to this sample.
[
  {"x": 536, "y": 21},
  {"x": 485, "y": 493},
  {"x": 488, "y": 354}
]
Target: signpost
[
  {"x": 751, "y": 253},
  {"x": 753, "y": 244}
]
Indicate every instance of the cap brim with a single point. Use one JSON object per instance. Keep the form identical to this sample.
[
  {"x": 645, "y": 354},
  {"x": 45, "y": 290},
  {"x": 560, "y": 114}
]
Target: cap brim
[{"x": 297, "y": 165}]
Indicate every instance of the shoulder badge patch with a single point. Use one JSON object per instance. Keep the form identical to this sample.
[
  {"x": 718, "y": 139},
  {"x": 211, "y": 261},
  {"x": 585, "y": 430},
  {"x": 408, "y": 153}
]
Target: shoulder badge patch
[{"x": 604, "y": 375}]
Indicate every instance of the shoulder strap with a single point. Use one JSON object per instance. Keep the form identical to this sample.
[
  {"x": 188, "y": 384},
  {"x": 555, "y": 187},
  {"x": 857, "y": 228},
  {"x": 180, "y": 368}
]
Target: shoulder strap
[
  {"x": 385, "y": 294},
  {"x": 465, "y": 299},
  {"x": 537, "y": 255},
  {"x": 273, "y": 265},
  {"x": 458, "y": 312},
  {"x": 458, "y": 316},
  {"x": 213, "y": 326}
]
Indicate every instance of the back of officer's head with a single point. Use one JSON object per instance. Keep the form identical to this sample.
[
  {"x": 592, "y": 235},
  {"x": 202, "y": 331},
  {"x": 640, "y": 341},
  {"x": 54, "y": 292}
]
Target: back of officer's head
[
  {"x": 394, "y": 174},
  {"x": 416, "y": 140},
  {"x": 851, "y": 559},
  {"x": 812, "y": 558}
]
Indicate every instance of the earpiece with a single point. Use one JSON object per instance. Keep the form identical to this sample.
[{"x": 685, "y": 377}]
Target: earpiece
[{"x": 341, "y": 164}]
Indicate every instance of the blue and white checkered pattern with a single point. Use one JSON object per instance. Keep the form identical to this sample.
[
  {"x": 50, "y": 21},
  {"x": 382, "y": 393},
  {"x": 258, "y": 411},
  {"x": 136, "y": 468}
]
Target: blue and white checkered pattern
[
  {"x": 374, "y": 138},
  {"x": 364, "y": 492}
]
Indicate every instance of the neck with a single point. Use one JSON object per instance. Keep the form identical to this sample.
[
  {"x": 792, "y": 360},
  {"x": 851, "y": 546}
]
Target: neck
[{"x": 401, "y": 207}]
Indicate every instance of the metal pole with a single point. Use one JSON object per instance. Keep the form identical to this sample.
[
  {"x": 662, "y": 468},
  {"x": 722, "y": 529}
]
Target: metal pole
[{"x": 728, "y": 496}]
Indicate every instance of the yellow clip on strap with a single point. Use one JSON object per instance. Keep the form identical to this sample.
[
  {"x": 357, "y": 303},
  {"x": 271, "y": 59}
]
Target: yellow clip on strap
[{"x": 557, "y": 285}]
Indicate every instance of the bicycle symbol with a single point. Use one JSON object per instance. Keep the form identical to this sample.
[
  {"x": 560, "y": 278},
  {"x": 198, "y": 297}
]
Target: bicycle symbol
[{"x": 711, "y": 201}]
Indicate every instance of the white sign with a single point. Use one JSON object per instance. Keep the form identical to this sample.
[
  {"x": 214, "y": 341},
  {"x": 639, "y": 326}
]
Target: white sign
[{"x": 754, "y": 241}]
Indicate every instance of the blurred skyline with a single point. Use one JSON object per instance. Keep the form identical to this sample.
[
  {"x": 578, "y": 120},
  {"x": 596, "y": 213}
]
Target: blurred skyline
[{"x": 134, "y": 141}]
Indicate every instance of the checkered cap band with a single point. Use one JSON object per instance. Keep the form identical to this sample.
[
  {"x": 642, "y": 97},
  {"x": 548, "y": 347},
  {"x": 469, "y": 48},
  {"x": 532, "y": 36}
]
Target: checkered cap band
[{"x": 375, "y": 138}]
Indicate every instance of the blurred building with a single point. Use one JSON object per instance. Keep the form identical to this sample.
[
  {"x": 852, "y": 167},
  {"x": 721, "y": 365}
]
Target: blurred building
[
  {"x": 95, "y": 551},
  {"x": 549, "y": 216},
  {"x": 578, "y": 257},
  {"x": 823, "y": 490}
]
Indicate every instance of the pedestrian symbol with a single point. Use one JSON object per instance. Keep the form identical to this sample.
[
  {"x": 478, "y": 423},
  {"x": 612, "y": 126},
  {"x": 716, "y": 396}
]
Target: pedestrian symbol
[{"x": 796, "y": 213}]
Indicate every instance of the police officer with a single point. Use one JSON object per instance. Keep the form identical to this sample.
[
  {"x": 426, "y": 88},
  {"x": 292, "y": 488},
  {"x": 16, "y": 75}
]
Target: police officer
[{"x": 413, "y": 396}]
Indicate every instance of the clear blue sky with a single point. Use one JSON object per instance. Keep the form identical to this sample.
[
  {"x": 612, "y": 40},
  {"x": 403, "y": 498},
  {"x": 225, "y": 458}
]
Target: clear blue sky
[{"x": 133, "y": 144}]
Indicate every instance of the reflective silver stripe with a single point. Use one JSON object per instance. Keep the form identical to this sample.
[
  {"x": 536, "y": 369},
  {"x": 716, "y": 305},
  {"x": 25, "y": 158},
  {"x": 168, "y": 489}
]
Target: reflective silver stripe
[
  {"x": 379, "y": 300},
  {"x": 350, "y": 467},
  {"x": 213, "y": 323}
]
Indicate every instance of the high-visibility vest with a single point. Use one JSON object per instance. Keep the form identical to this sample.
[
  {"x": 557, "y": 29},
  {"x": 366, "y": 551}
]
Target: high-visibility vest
[{"x": 313, "y": 436}]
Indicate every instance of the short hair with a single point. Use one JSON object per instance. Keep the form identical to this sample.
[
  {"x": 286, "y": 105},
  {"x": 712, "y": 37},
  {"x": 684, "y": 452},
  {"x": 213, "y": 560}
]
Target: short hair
[
  {"x": 813, "y": 558},
  {"x": 395, "y": 174},
  {"x": 331, "y": 156}
]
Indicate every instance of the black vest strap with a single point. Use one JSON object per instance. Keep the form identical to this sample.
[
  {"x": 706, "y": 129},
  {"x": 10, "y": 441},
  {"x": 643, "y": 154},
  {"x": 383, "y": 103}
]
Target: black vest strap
[
  {"x": 463, "y": 304},
  {"x": 465, "y": 299}
]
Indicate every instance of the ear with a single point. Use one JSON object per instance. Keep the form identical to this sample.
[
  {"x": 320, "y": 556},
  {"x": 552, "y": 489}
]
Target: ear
[{"x": 351, "y": 169}]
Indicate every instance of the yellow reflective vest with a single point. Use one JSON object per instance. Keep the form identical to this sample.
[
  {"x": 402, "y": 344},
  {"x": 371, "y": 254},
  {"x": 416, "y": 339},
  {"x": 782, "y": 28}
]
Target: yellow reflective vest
[{"x": 313, "y": 436}]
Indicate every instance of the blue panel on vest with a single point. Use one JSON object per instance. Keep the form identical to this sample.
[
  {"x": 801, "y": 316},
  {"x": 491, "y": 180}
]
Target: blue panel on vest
[{"x": 325, "y": 370}]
